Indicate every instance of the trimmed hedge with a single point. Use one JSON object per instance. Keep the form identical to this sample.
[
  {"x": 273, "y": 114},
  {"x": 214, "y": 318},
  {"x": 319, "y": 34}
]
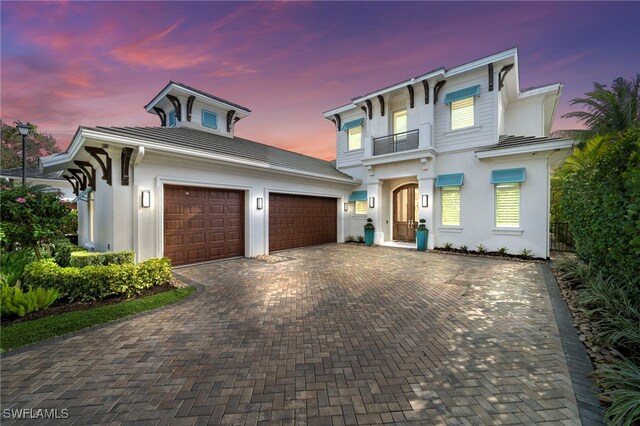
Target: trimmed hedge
[
  {"x": 601, "y": 201},
  {"x": 62, "y": 249},
  {"x": 97, "y": 282},
  {"x": 80, "y": 259}
]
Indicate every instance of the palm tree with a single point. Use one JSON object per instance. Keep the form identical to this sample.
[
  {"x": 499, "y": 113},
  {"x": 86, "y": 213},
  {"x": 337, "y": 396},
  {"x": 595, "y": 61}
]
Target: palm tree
[{"x": 607, "y": 110}]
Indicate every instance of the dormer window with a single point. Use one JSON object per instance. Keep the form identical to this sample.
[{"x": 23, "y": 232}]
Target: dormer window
[
  {"x": 171, "y": 119},
  {"x": 209, "y": 119}
]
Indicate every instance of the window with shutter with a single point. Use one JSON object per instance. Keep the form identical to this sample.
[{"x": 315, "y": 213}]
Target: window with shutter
[
  {"x": 508, "y": 205},
  {"x": 451, "y": 205},
  {"x": 361, "y": 207},
  {"x": 354, "y": 136},
  {"x": 172, "y": 118},
  {"x": 209, "y": 119},
  {"x": 462, "y": 113}
]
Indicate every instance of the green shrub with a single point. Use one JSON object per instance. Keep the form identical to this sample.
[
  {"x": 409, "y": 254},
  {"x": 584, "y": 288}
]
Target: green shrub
[
  {"x": 62, "y": 249},
  {"x": 98, "y": 282},
  {"x": 481, "y": 249},
  {"x": 80, "y": 259},
  {"x": 448, "y": 246},
  {"x": 12, "y": 265},
  {"x": 503, "y": 251},
  {"x": 464, "y": 248},
  {"x": 16, "y": 302},
  {"x": 621, "y": 384},
  {"x": 525, "y": 253}
]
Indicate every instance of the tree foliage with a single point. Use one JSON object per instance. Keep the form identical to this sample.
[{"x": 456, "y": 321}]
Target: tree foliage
[
  {"x": 600, "y": 199},
  {"x": 32, "y": 215},
  {"x": 607, "y": 110},
  {"x": 38, "y": 144}
]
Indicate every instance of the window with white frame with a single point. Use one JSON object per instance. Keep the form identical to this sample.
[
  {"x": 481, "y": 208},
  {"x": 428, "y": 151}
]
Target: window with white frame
[
  {"x": 462, "y": 113},
  {"x": 354, "y": 136},
  {"x": 209, "y": 119},
  {"x": 171, "y": 120},
  {"x": 507, "y": 205},
  {"x": 450, "y": 205},
  {"x": 361, "y": 207}
]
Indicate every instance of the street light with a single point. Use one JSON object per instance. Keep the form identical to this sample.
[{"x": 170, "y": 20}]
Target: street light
[{"x": 23, "y": 129}]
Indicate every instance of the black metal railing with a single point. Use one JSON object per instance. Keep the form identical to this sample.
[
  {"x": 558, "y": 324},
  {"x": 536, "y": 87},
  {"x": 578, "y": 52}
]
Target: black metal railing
[
  {"x": 396, "y": 143},
  {"x": 560, "y": 238}
]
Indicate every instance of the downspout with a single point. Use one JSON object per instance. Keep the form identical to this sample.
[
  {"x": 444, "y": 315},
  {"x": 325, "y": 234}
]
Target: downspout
[{"x": 136, "y": 202}]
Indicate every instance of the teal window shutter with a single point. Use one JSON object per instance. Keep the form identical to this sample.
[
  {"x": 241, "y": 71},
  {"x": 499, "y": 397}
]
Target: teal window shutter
[
  {"x": 172, "y": 118},
  {"x": 508, "y": 176},
  {"x": 462, "y": 94},
  {"x": 352, "y": 124},
  {"x": 453, "y": 179},
  {"x": 358, "y": 196},
  {"x": 209, "y": 119}
]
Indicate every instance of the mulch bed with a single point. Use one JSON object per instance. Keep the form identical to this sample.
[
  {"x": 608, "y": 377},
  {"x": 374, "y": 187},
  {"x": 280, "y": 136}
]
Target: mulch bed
[
  {"x": 490, "y": 254},
  {"x": 61, "y": 306}
]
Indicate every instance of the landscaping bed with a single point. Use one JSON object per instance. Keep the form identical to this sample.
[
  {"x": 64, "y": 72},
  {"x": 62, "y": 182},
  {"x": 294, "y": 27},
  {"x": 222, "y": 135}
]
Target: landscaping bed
[{"x": 489, "y": 254}]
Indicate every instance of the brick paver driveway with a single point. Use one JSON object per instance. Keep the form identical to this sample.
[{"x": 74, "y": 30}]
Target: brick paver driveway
[{"x": 337, "y": 334}]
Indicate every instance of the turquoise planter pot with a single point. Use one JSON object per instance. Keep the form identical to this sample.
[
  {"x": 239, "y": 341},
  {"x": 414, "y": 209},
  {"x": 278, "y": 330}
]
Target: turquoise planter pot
[
  {"x": 369, "y": 236},
  {"x": 422, "y": 236}
]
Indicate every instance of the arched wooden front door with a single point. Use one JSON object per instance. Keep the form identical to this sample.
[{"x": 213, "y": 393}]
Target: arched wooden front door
[{"x": 405, "y": 212}]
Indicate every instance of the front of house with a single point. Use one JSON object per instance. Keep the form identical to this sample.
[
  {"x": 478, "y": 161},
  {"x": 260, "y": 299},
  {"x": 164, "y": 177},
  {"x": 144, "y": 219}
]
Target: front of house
[{"x": 433, "y": 147}]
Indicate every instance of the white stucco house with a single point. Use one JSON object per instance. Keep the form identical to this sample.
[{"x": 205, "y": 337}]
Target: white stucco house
[{"x": 464, "y": 148}]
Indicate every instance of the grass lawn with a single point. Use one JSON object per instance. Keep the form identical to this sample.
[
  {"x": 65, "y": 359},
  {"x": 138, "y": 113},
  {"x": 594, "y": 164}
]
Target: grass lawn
[{"x": 24, "y": 333}]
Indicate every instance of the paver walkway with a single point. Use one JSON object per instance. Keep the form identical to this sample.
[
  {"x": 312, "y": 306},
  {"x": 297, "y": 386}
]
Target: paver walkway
[{"x": 337, "y": 334}]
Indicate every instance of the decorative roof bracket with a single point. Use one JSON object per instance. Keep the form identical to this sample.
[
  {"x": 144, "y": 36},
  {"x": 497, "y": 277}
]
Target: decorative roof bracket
[
  {"x": 74, "y": 183},
  {"x": 81, "y": 178},
  {"x": 162, "y": 115},
  {"x": 89, "y": 171},
  {"x": 125, "y": 160},
  {"x": 338, "y": 121},
  {"x": 381, "y": 100},
  {"x": 369, "y": 108},
  {"x": 490, "y": 70},
  {"x": 176, "y": 106},
  {"x": 105, "y": 165},
  {"x": 425, "y": 84},
  {"x": 436, "y": 90},
  {"x": 502, "y": 74},
  {"x": 410, "y": 89},
  {"x": 230, "y": 115},
  {"x": 190, "y": 106}
]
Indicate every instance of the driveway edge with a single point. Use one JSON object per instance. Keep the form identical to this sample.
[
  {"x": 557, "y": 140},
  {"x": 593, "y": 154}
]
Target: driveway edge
[
  {"x": 47, "y": 342},
  {"x": 578, "y": 362}
]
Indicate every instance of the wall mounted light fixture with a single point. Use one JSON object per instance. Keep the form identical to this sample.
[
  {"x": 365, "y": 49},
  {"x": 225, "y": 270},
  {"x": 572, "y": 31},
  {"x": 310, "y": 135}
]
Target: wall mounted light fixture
[
  {"x": 260, "y": 203},
  {"x": 372, "y": 202},
  {"x": 346, "y": 207},
  {"x": 146, "y": 199},
  {"x": 425, "y": 200}
]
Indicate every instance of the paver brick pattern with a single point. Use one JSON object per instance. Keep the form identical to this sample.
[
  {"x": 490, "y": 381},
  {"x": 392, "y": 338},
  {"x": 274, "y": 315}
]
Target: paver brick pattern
[{"x": 338, "y": 334}]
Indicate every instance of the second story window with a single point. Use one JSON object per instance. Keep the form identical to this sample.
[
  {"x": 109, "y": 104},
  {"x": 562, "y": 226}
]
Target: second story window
[
  {"x": 462, "y": 113},
  {"x": 355, "y": 138},
  {"x": 172, "y": 118},
  {"x": 209, "y": 119},
  {"x": 400, "y": 121}
]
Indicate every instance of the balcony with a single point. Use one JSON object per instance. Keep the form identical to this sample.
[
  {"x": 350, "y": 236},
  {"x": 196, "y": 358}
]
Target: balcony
[{"x": 398, "y": 142}]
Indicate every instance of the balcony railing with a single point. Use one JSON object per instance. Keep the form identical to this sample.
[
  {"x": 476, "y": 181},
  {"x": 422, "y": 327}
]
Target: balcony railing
[{"x": 396, "y": 143}]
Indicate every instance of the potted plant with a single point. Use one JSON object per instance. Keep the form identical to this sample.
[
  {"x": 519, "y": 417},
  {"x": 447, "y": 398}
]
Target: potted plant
[
  {"x": 422, "y": 235},
  {"x": 369, "y": 231}
]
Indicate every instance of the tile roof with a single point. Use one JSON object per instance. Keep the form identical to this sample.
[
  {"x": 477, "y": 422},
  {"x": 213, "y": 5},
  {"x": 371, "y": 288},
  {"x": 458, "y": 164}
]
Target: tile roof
[
  {"x": 511, "y": 141},
  {"x": 209, "y": 143},
  {"x": 32, "y": 172}
]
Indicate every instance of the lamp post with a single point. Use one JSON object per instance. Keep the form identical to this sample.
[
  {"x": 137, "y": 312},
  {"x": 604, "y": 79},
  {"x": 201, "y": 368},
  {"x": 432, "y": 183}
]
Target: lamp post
[{"x": 24, "y": 131}]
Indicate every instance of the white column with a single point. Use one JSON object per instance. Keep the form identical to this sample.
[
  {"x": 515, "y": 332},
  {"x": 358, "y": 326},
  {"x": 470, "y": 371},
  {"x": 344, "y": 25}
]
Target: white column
[{"x": 374, "y": 189}]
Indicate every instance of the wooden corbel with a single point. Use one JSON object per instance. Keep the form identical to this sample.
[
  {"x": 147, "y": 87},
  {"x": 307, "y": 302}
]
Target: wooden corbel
[{"x": 105, "y": 165}]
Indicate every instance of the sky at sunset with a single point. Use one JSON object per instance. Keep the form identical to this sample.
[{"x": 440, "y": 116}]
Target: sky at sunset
[{"x": 65, "y": 64}]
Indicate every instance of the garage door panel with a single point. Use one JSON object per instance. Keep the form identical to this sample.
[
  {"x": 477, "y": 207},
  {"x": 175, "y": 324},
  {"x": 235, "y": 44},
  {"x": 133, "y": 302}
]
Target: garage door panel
[
  {"x": 298, "y": 220},
  {"x": 202, "y": 224}
]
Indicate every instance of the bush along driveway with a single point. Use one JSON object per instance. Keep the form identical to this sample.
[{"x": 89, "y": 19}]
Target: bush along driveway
[{"x": 336, "y": 334}]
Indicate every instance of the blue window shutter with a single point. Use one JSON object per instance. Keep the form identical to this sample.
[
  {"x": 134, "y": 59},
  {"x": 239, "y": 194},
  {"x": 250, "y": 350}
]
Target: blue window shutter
[
  {"x": 209, "y": 119},
  {"x": 172, "y": 118},
  {"x": 453, "y": 179},
  {"x": 358, "y": 196},
  {"x": 508, "y": 175},
  {"x": 352, "y": 124},
  {"x": 462, "y": 94}
]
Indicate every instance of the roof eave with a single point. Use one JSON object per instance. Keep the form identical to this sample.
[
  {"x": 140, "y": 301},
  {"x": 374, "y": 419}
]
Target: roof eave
[
  {"x": 240, "y": 110},
  {"x": 525, "y": 149}
]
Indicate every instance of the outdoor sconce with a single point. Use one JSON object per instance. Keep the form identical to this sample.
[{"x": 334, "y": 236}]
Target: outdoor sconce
[
  {"x": 260, "y": 203},
  {"x": 372, "y": 202},
  {"x": 346, "y": 207},
  {"x": 146, "y": 199},
  {"x": 425, "y": 200}
]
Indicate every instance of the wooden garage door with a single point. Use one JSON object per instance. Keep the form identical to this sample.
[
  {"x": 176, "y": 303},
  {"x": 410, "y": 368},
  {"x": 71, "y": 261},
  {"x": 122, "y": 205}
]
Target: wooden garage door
[
  {"x": 299, "y": 220},
  {"x": 202, "y": 224}
]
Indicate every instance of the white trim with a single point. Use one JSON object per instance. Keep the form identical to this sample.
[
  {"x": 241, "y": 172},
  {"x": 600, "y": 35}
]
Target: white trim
[
  {"x": 526, "y": 149},
  {"x": 508, "y": 231},
  {"x": 216, "y": 102},
  {"x": 450, "y": 229},
  {"x": 339, "y": 110},
  {"x": 411, "y": 154},
  {"x": 540, "y": 90}
]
